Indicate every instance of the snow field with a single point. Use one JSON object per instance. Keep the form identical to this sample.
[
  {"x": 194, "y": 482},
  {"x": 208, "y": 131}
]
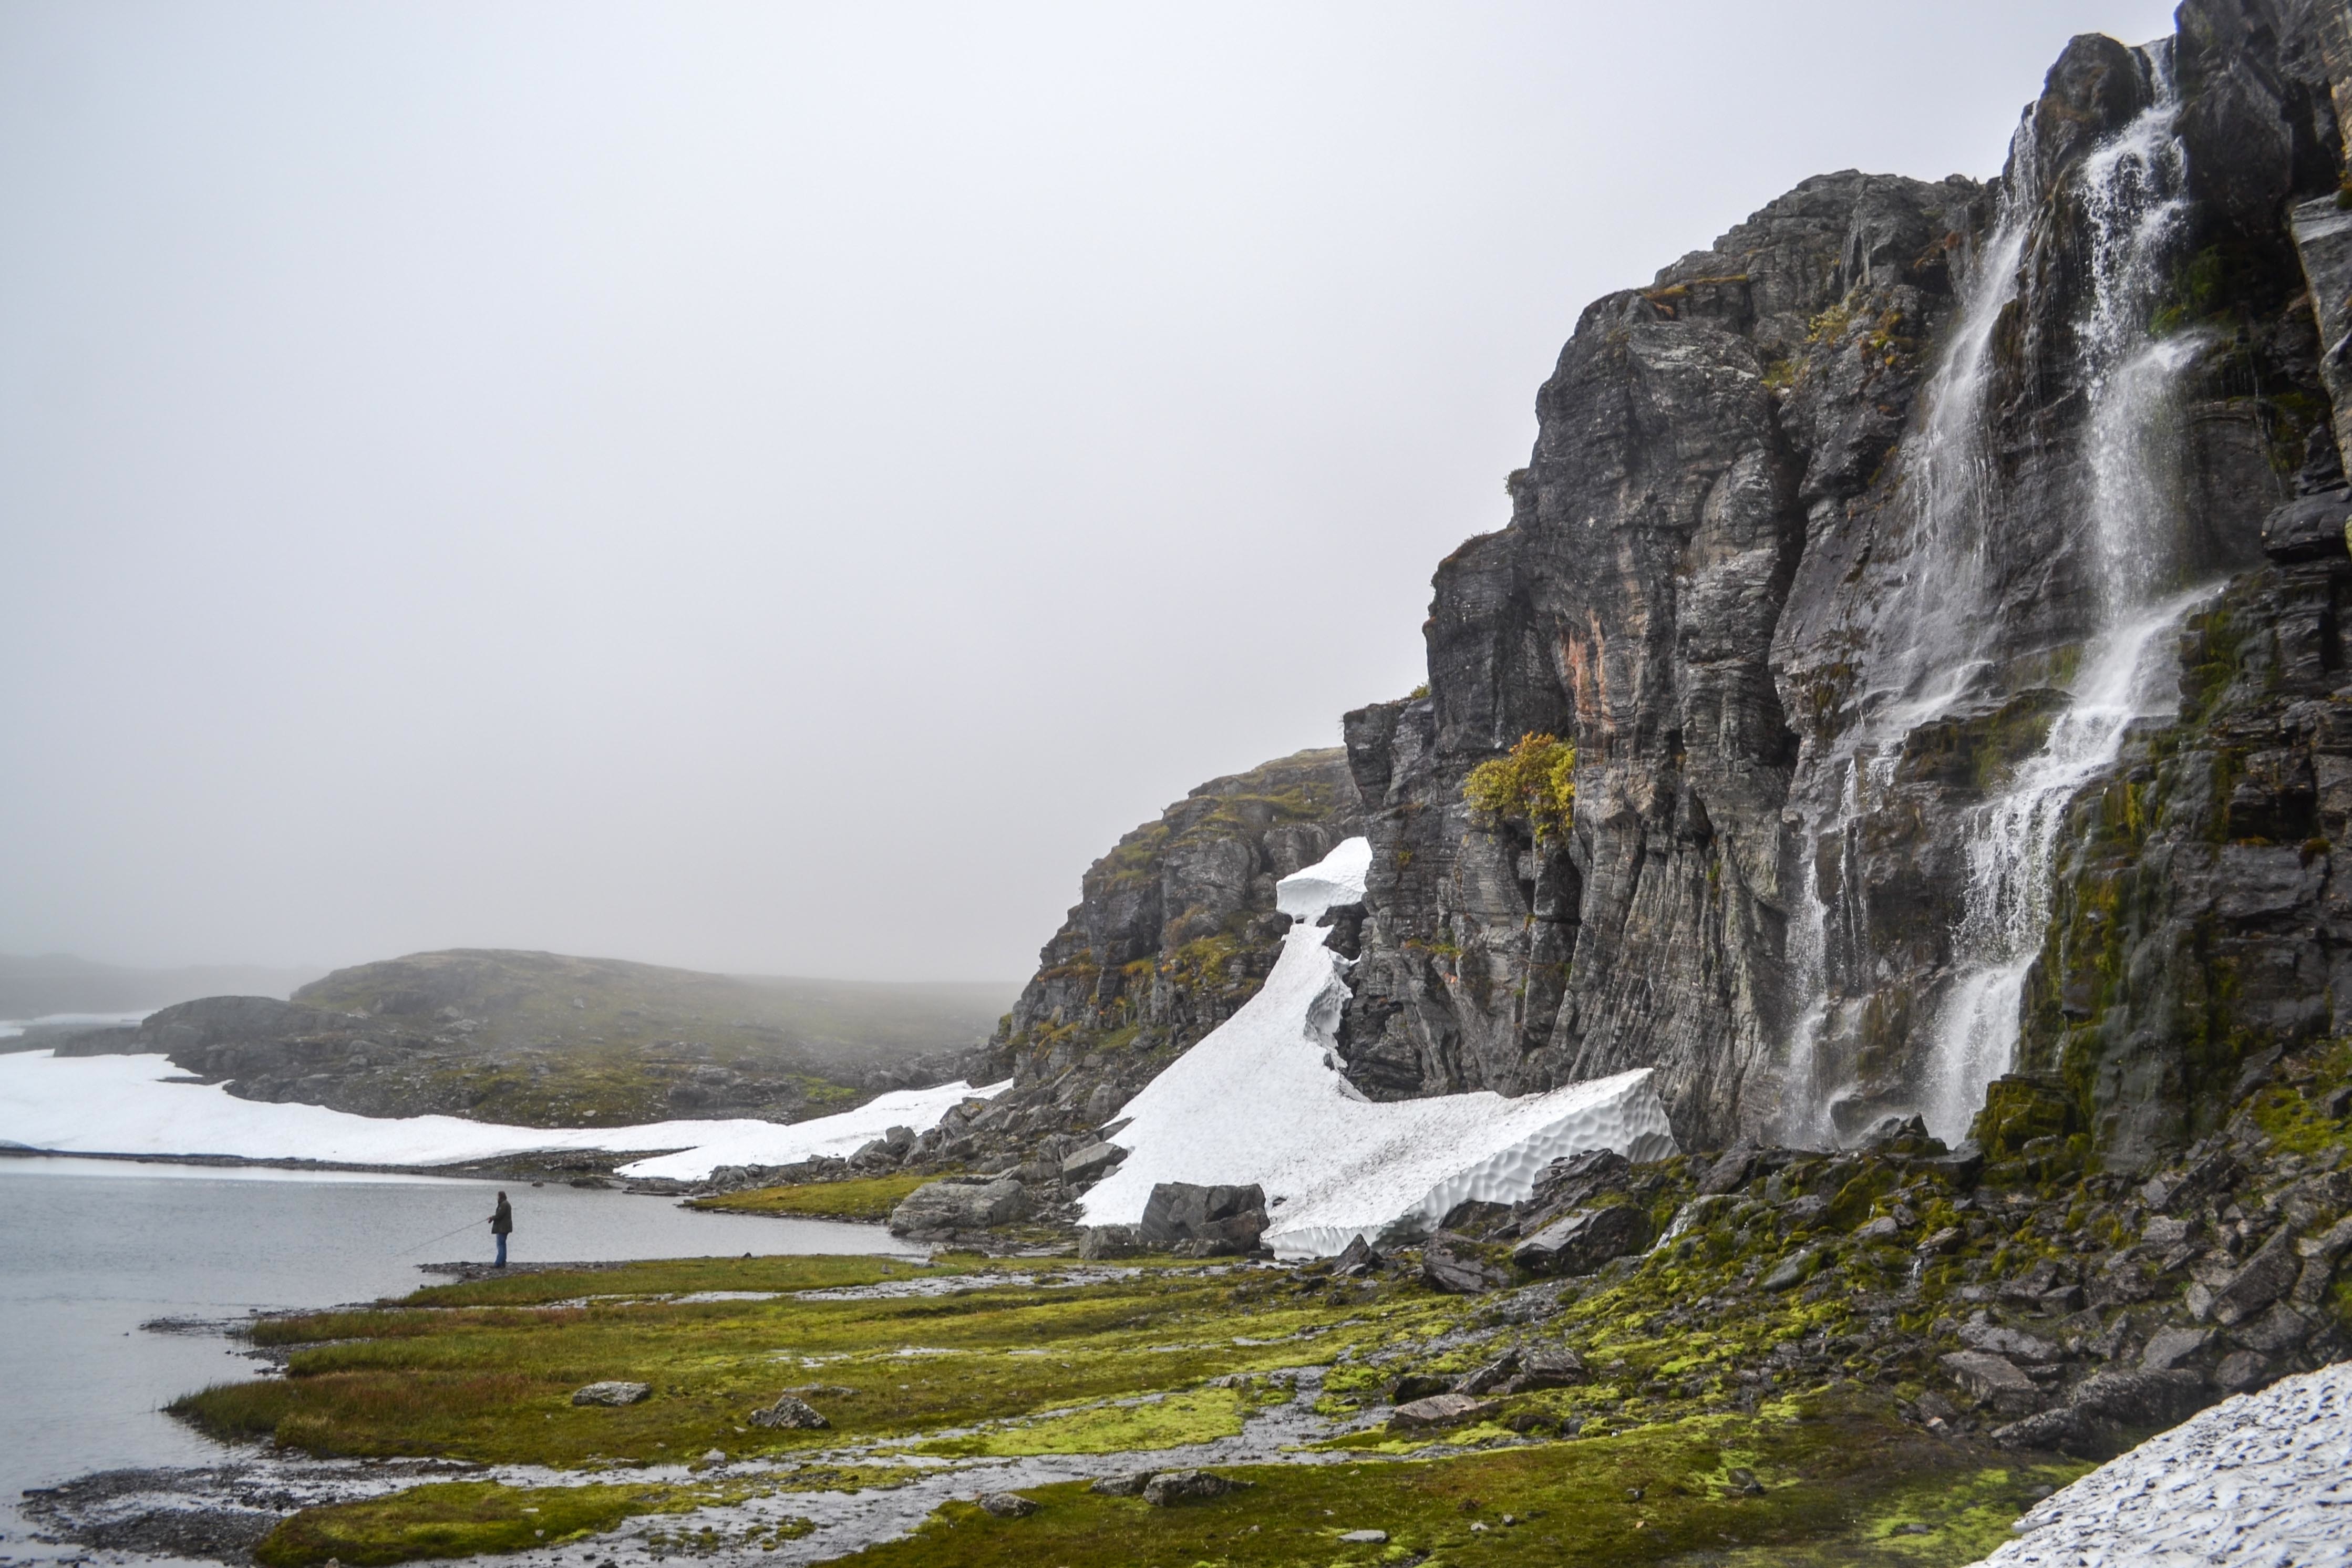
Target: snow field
[
  {"x": 126, "y": 1105},
  {"x": 2262, "y": 1480},
  {"x": 1261, "y": 1100}
]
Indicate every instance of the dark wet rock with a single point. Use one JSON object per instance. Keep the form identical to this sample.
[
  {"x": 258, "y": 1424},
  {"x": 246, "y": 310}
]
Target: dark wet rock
[
  {"x": 1728, "y": 1172},
  {"x": 1008, "y": 1505},
  {"x": 1451, "y": 1264},
  {"x": 960, "y": 1205},
  {"x": 1205, "y": 1221},
  {"x": 1356, "y": 1258},
  {"x": 1442, "y": 1410},
  {"x": 1584, "y": 1240},
  {"x": 1172, "y": 1487},
  {"x": 612, "y": 1392},
  {"x": 1416, "y": 1385},
  {"x": 790, "y": 1413}
]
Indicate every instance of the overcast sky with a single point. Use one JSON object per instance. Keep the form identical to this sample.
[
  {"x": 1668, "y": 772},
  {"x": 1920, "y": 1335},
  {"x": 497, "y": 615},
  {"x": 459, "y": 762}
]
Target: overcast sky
[{"x": 780, "y": 487}]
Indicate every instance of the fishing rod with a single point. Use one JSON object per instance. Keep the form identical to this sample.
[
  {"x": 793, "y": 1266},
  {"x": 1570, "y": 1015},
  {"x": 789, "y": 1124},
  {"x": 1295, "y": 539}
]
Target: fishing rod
[{"x": 443, "y": 1236}]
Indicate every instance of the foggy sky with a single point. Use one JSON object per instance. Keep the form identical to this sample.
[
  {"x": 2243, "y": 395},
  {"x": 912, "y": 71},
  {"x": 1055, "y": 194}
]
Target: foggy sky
[{"x": 781, "y": 488}]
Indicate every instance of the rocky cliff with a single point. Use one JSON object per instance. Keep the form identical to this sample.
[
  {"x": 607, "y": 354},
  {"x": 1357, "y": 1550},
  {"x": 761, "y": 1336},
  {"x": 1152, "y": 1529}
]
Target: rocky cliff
[
  {"x": 1174, "y": 930},
  {"x": 1853, "y": 551}
]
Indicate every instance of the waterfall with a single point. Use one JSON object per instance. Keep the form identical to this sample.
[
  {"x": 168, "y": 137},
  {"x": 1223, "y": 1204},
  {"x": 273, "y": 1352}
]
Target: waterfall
[
  {"x": 1925, "y": 650},
  {"x": 2134, "y": 206}
]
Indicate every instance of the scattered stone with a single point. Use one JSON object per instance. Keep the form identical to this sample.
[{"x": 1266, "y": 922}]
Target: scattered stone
[
  {"x": 1094, "y": 1160},
  {"x": 1440, "y": 1410},
  {"x": 2268, "y": 1275},
  {"x": 1882, "y": 1228},
  {"x": 1107, "y": 1241},
  {"x": 790, "y": 1414},
  {"x": 1449, "y": 1264},
  {"x": 1584, "y": 1240},
  {"x": 2173, "y": 1346},
  {"x": 1792, "y": 1270},
  {"x": 2006, "y": 1341},
  {"x": 2165, "y": 1231},
  {"x": 1187, "y": 1486},
  {"x": 2242, "y": 1370},
  {"x": 613, "y": 1393},
  {"x": 1365, "y": 1537},
  {"x": 1008, "y": 1505},
  {"x": 1944, "y": 1240},
  {"x": 1991, "y": 1380}
]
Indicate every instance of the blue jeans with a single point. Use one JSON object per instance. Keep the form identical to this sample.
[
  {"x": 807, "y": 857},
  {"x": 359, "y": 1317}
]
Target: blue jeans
[{"x": 502, "y": 1251}]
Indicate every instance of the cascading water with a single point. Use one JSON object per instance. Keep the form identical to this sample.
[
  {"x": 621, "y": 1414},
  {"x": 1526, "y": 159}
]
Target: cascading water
[
  {"x": 1924, "y": 644},
  {"x": 1927, "y": 649},
  {"x": 2134, "y": 204}
]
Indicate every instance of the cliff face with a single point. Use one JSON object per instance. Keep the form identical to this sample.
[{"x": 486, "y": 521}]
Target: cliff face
[
  {"x": 1850, "y": 553},
  {"x": 1174, "y": 930}
]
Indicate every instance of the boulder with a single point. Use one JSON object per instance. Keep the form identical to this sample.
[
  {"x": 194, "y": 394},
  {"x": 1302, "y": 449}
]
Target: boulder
[
  {"x": 1129, "y": 1485},
  {"x": 2310, "y": 528},
  {"x": 1584, "y": 1240},
  {"x": 2142, "y": 1399},
  {"x": 1171, "y": 1486},
  {"x": 1490, "y": 1377},
  {"x": 790, "y": 1414},
  {"x": 1450, "y": 1263},
  {"x": 2006, "y": 1341},
  {"x": 2268, "y": 1275},
  {"x": 1356, "y": 1258},
  {"x": 613, "y": 1393},
  {"x": 1364, "y": 1537},
  {"x": 1440, "y": 1410},
  {"x": 1105, "y": 1241},
  {"x": 1991, "y": 1380},
  {"x": 1416, "y": 1385},
  {"x": 1551, "y": 1366},
  {"x": 2242, "y": 1370},
  {"x": 1728, "y": 1174},
  {"x": 2279, "y": 1330},
  {"x": 1792, "y": 1270},
  {"x": 1218, "y": 1221},
  {"x": 953, "y": 1204},
  {"x": 1886, "y": 1228},
  {"x": 1093, "y": 1160},
  {"x": 1008, "y": 1505},
  {"x": 2170, "y": 1347}
]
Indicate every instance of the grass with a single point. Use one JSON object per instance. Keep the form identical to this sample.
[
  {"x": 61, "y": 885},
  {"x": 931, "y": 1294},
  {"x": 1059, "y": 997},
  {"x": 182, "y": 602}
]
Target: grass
[
  {"x": 463, "y": 1518},
  {"x": 1838, "y": 1477},
  {"x": 865, "y": 1198},
  {"x": 999, "y": 1365}
]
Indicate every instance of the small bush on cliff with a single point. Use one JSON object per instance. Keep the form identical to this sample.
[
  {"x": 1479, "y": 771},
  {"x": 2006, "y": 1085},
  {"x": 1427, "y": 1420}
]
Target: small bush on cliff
[{"x": 1534, "y": 784}]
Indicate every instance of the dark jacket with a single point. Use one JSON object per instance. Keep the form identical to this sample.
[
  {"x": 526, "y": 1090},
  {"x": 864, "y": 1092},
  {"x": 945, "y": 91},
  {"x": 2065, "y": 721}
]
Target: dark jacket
[{"x": 502, "y": 1221}]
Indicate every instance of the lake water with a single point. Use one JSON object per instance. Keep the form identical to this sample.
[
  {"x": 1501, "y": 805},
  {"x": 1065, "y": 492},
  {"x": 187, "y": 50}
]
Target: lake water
[{"x": 90, "y": 1249}]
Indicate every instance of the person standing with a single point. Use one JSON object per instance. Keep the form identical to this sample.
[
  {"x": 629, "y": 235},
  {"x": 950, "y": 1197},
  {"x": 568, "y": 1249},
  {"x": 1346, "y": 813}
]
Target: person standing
[{"x": 502, "y": 1227}]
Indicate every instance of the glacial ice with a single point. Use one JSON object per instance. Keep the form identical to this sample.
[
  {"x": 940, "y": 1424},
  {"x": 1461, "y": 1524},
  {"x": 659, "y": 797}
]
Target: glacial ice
[
  {"x": 1261, "y": 1100},
  {"x": 2262, "y": 1480},
  {"x": 126, "y": 1105}
]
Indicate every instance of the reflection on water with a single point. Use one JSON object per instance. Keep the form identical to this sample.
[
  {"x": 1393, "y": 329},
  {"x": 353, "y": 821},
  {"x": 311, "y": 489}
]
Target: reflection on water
[{"x": 95, "y": 1248}]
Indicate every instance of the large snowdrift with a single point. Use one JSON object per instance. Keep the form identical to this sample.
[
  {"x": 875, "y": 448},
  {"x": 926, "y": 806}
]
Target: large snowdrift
[
  {"x": 1261, "y": 1100},
  {"x": 2262, "y": 1480},
  {"x": 126, "y": 1105}
]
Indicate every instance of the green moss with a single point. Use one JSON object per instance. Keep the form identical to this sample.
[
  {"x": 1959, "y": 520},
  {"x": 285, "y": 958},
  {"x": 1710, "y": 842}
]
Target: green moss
[
  {"x": 1533, "y": 785},
  {"x": 463, "y": 1518},
  {"x": 863, "y": 1198},
  {"x": 1167, "y": 1421}
]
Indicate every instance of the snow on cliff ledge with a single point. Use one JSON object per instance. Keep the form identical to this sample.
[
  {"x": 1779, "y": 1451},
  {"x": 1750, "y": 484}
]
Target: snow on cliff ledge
[
  {"x": 2264, "y": 1480},
  {"x": 1261, "y": 1100},
  {"x": 126, "y": 1105}
]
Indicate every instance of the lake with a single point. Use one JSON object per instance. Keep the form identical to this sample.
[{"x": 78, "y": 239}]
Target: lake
[{"x": 93, "y": 1248}]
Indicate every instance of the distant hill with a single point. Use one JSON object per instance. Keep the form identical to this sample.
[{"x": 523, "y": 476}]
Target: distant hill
[
  {"x": 58, "y": 983},
  {"x": 542, "y": 1039}
]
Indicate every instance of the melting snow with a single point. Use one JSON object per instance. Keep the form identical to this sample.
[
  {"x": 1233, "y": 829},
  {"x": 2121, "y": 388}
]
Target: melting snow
[
  {"x": 1261, "y": 1100},
  {"x": 123, "y": 1105},
  {"x": 2264, "y": 1480}
]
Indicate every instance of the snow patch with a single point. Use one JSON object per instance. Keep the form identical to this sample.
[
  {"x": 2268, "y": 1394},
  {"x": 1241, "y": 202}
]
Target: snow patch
[
  {"x": 2262, "y": 1480},
  {"x": 1261, "y": 1099},
  {"x": 122, "y": 1105}
]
